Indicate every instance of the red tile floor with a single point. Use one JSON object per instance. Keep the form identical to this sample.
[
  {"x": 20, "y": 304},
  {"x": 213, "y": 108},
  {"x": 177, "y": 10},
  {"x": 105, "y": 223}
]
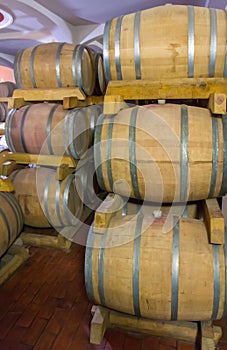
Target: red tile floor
[{"x": 44, "y": 306}]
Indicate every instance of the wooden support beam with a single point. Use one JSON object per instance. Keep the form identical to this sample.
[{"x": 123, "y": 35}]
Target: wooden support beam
[
  {"x": 48, "y": 94},
  {"x": 73, "y": 102},
  {"x": 46, "y": 241},
  {"x": 214, "y": 220},
  {"x": 187, "y": 88},
  {"x": 6, "y": 185},
  {"x": 180, "y": 330},
  {"x": 8, "y": 167},
  {"x": 217, "y": 103},
  {"x": 207, "y": 339},
  {"x": 113, "y": 104},
  {"x": 109, "y": 208},
  {"x": 17, "y": 102},
  {"x": 63, "y": 171}
]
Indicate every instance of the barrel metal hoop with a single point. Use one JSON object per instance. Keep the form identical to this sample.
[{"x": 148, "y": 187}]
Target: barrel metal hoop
[
  {"x": 132, "y": 152},
  {"x": 7, "y": 224},
  {"x": 106, "y": 54},
  {"x": 225, "y": 69},
  {"x": 117, "y": 48},
  {"x": 215, "y": 151},
  {"x": 97, "y": 151},
  {"x": 101, "y": 269},
  {"x": 224, "y": 177},
  {"x": 18, "y": 208},
  {"x": 216, "y": 299},
  {"x": 213, "y": 42},
  {"x": 22, "y": 129},
  {"x": 124, "y": 209},
  {"x": 57, "y": 203},
  {"x": 191, "y": 41},
  {"x": 79, "y": 62},
  {"x": 175, "y": 269},
  {"x": 225, "y": 255},
  {"x": 6, "y": 197},
  {"x": 65, "y": 134},
  {"x": 71, "y": 133},
  {"x": 88, "y": 264},
  {"x": 137, "y": 45},
  {"x": 45, "y": 199},
  {"x": 109, "y": 149},
  {"x": 17, "y": 70},
  {"x": 8, "y": 124},
  {"x": 184, "y": 154},
  {"x": 32, "y": 58},
  {"x": 58, "y": 74},
  {"x": 97, "y": 81},
  {"x": 74, "y": 71},
  {"x": 92, "y": 121},
  {"x": 48, "y": 128},
  {"x": 136, "y": 265},
  {"x": 65, "y": 200}
]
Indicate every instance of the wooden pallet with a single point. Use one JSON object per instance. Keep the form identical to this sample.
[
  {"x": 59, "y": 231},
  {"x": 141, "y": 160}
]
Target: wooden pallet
[
  {"x": 15, "y": 256},
  {"x": 104, "y": 318},
  {"x": 214, "y": 90},
  {"x": 70, "y": 97}
]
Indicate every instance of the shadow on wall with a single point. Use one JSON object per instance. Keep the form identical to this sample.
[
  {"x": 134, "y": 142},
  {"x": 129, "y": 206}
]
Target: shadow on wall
[{"x": 6, "y": 74}]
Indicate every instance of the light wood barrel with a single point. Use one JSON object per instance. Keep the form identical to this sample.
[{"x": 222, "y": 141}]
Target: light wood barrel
[
  {"x": 47, "y": 128},
  {"x": 137, "y": 269},
  {"x": 172, "y": 41},
  {"x": 11, "y": 220},
  {"x": 3, "y": 111},
  {"x": 100, "y": 79},
  {"x": 162, "y": 153},
  {"x": 7, "y": 88},
  {"x": 66, "y": 65},
  {"x": 45, "y": 201}
]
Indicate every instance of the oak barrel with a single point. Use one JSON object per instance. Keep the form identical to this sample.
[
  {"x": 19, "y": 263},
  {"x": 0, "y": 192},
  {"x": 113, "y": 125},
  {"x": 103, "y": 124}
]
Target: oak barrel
[
  {"x": 171, "y": 41},
  {"x": 7, "y": 88},
  {"x": 45, "y": 201},
  {"x": 162, "y": 153},
  {"x": 66, "y": 65},
  {"x": 47, "y": 128},
  {"x": 11, "y": 220},
  {"x": 137, "y": 269}
]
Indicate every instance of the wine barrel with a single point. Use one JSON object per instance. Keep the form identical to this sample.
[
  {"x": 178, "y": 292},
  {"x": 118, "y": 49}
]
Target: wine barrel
[
  {"x": 66, "y": 65},
  {"x": 11, "y": 220},
  {"x": 3, "y": 111},
  {"x": 45, "y": 201},
  {"x": 100, "y": 79},
  {"x": 162, "y": 153},
  {"x": 137, "y": 269},
  {"x": 164, "y": 42},
  {"x": 47, "y": 128},
  {"x": 7, "y": 88}
]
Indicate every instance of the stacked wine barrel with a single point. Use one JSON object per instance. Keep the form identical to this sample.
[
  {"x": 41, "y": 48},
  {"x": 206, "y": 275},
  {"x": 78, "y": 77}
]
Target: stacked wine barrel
[
  {"x": 46, "y": 128},
  {"x": 164, "y": 154},
  {"x": 6, "y": 90}
]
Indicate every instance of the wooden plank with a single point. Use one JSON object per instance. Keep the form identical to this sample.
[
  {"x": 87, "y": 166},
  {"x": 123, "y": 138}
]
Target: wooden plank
[
  {"x": 187, "y": 88},
  {"x": 99, "y": 325},
  {"x": 113, "y": 104},
  {"x": 4, "y": 99},
  {"x": 207, "y": 341},
  {"x": 8, "y": 167},
  {"x": 16, "y": 102},
  {"x": 6, "y": 185},
  {"x": 48, "y": 94},
  {"x": 214, "y": 220},
  {"x": 109, "y": 208},
  {"x": 73, "y": 102},
  {"x": 63, "y": 171},
  {"x": 217, "y": 103},
  {"x": 46, "y": 241}
]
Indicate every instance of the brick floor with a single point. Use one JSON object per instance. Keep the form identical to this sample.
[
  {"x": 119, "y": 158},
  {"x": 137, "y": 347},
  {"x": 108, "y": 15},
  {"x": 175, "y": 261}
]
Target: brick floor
[{"x": 44, "y": 306}]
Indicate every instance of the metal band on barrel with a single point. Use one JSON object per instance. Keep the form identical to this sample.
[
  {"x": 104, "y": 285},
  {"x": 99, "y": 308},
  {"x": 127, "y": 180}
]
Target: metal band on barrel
[
  {"x": 71, "y": 134},
  {"x": 65, "y": 133},
  {"x": 8, "y": 123},
  {"x": 57, "y": 203},
  {"x": 18, "y": 208},
  {"x": 58, "y": 73},
  {"x": 225, "y": 254},
  {"x": 101, "y": 269},
  {"x": 175, "y": 269},
  {"x": 45, "y": 199},
  {"x": 137, "y": 45},
  {"x": 88, "y": 264},
  {"x": 117, "y": 48},
  {"x": 215, "y": 151},
  {"x": 97, "y": 151},
  {"x": 216, "y": 299},
  {"x": 32, "y": 66},
  {"x": 136, "y": 265},
  {"x": 184, "y": 154},
  {"x": 74, "y": 72},
  {"x": 79, "y": 62},
  {"x": 106, "y": 53},
  {"x": 22, "y": 130},
  {"x": 213, "y": 42},
  {"x": 191, "y": 41},
  {"x": 7, "y": 224},
  {"x": 48, "y": 128},
  {"x": 224, "y": 177},
  {"x": 109, "y": 149},
  {"x": 225, "y": 68},
  {"x": 17, "y": 70},
  {"x": 65, "y": 200},
  {"x": 132, "y": 152},
  {"x": 9, "y": 201}
]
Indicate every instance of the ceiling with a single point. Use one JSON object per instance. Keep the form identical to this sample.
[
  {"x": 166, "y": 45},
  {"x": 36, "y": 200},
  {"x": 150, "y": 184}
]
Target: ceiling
[{"x": 72, "y": 21}]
